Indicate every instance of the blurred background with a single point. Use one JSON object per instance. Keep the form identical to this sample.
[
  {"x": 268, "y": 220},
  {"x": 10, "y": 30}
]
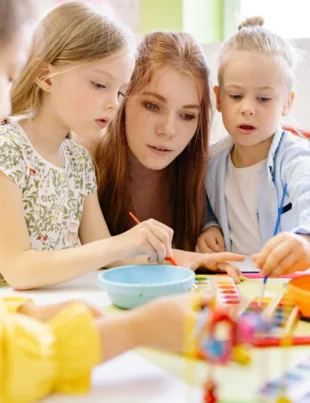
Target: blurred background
[{"x": 214, "y": 21}]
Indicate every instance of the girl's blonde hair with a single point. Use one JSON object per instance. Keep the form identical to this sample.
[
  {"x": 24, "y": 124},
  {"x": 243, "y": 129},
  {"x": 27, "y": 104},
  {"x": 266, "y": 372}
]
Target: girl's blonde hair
[
  {"x": 253, "y": 37},
  {"x": 70, "y": 34}
]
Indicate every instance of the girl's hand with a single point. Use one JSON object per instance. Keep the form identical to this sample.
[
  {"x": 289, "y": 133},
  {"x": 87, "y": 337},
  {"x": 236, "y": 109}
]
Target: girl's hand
[
  {"x": 218, "y": 262},
  {"x": 211, "y": 240},
  {"x": 166, "y": 322},
  {"x": 44, "y": 313},
  {"x": 150, "y": 238},
  {"x": 283, "y": 254}
]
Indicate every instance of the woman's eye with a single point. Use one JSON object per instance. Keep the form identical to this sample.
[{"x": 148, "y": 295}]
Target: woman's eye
[{"x": 188, "y": 116}]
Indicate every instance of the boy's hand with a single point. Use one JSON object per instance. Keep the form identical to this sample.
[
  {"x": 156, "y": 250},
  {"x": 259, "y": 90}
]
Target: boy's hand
[
  {"x": 283, "y": 254},
  {"x": 211, "y": 240}
]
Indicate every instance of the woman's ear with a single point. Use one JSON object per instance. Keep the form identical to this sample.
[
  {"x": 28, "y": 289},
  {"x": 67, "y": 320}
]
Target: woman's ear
[
  {"x": 218, "y": 98},
  {"x": 44, "y": 79},
  {"x": 287, "y": 106}
]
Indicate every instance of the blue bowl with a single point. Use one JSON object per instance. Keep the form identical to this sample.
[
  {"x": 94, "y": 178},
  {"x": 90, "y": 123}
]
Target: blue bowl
[{"x": 132, "y": 286}]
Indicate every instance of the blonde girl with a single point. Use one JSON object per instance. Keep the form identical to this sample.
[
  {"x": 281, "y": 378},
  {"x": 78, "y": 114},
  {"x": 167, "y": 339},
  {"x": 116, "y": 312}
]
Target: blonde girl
[{"x": 76, "y": 75}]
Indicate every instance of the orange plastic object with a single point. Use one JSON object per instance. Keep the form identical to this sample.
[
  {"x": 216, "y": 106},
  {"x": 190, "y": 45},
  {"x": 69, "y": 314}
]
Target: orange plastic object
[{"x": 299, "y": 290}]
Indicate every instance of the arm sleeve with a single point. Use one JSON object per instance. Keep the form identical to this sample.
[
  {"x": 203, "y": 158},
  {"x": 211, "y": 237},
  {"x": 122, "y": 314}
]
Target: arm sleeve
[{"x": 12, "y": 162}]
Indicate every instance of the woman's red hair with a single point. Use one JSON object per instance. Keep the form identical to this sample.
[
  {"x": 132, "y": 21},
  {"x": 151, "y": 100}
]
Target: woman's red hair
[{"x": 159, "y": 50}]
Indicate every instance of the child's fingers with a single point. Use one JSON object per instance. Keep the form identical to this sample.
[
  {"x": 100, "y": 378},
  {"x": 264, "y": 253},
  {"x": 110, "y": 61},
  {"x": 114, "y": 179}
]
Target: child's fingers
[
  {"x": 220, "y": 242},
  {"x": 202, "y": 246},
  {"x": 288, "y": 265},
  {"x": 163, "y": 227},
  {"x": 232, "y": 270},
  {"x": 254, "y": 257},
  {"x": 211, "y": 241},
  {"x": 275, "y": 257},
  {"x": 157, "y": 250},
  {"x": 227, "y": 256},
  {"x": 261, "y": 257}
]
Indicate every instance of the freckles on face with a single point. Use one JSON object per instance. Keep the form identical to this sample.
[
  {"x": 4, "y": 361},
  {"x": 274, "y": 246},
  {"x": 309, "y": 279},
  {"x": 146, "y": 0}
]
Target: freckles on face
[{"x": 161, "y": 119}]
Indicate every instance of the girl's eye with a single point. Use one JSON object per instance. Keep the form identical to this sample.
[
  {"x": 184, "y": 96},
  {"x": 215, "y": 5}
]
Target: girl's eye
[
  {"x": 235, "y": 96},
  {"x": 264, "y": 99},
  {"x": 151, "y": 106},
  {"x": 187, "y": 116},
  {"x": 121, "y": 94},
  {"x": 97, "y": 85}
]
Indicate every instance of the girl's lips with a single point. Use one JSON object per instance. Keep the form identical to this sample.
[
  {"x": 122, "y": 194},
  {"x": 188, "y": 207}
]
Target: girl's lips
[
  {"x": 159, "y": 150},
  {"x": 102, "y": 122}
]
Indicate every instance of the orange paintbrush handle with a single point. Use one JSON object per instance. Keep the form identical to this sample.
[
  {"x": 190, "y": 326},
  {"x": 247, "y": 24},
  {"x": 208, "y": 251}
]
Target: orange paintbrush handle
[{"x": 172, "y": 261}]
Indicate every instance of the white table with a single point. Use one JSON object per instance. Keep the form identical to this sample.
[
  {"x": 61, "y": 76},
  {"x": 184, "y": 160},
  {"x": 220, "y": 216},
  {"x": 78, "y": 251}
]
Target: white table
[{"x": 126, "y": 379}]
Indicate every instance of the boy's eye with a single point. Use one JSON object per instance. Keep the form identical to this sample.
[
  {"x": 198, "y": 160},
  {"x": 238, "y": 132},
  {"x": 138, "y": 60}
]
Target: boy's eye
[
  {"x": 264, "y": 99},
  {"x": 235, "y": 96},
  {"x": 97, "y": 85}
]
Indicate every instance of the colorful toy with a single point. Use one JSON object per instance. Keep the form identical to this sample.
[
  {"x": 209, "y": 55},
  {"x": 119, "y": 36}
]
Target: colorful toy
[{"x": 230, "y": 326}]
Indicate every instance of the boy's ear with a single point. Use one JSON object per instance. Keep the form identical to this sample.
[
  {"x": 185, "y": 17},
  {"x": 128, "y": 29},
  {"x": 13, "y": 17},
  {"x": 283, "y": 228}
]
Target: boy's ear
[
  {"x": 288, "y": 104},
  {"x": 44, "y": 79},
  {"x": 218, "y": 98}
]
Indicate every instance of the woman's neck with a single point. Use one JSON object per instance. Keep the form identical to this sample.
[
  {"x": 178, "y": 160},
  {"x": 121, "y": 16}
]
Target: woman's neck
[
  {"x": 149, "y": 191},
  {"x": 138, "y": 172},
  {"x": 246, "y": 156}
]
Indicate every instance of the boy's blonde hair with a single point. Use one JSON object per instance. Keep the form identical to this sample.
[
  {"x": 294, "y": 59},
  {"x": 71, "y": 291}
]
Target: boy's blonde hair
[
  {"x": 253, "y": 37},
  {"x": 70, "y": 34}
]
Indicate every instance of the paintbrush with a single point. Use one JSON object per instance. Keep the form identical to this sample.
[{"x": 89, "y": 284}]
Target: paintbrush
[
  {"x": 170, "y": 258},
  {"x": 276, "y": 229}
]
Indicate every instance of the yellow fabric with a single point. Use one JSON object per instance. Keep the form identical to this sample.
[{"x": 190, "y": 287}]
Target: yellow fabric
[
  {"x": 14, "y": 302},
  {"x": 37, "y": 359},
  {"x": 78, "y": 348}
]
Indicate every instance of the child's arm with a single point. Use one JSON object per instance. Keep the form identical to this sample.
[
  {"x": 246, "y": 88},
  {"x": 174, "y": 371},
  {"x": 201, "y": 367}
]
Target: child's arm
[
  {"x": 25, "y": 268},
  {"x": 93, "y": 226},
  {"x": 143, "y": 327},
  {"x": 289, "y": 252}
]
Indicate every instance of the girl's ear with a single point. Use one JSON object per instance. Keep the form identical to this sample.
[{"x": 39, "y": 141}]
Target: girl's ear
[
  {"x": 287, "y": 106},
  {"x": 43, "y": 80},
  {"x": 218, "y": 98}
]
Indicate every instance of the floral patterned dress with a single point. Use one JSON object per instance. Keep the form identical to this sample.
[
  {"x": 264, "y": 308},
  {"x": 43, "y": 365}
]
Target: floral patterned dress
[{"x": 53, "y": 197}]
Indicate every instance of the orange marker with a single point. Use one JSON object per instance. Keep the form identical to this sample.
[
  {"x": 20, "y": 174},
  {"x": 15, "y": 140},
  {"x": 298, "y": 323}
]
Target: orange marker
[{"x": 138, "y": 222}]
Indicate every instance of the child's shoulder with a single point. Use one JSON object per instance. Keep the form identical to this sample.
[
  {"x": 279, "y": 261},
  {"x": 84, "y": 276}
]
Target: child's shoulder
[
  {"x": 219, "y": 148},
  {"x": 75, "y": 150},
  {"x": 292, "y": 143},
  {"x": 11, "y": 137},
  {"x": 78, "y": 155}
]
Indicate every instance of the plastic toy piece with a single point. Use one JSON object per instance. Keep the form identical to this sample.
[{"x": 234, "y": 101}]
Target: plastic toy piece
[
  {"x": 210, "y": 395},
  {"x": 283, "y": 399}
]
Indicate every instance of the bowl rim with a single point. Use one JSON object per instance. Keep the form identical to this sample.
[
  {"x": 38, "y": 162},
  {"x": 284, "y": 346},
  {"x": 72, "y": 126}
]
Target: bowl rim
[
  {"x": 154, "y": 285},
  {"x": 296, "y": 289}
]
